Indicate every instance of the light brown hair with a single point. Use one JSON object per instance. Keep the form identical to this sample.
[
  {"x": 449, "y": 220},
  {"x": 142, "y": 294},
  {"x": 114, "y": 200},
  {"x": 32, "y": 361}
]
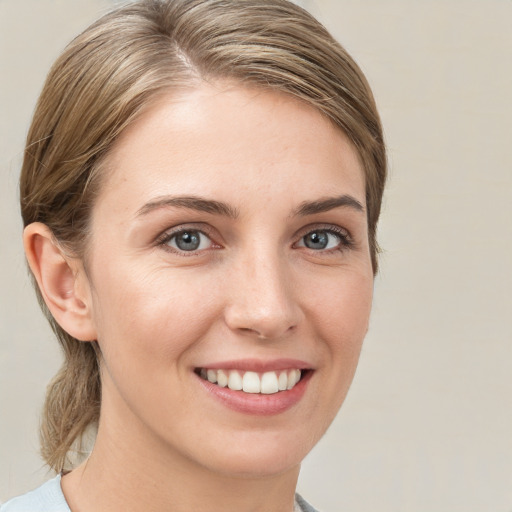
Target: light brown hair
[{"x": 110, "y": 73}]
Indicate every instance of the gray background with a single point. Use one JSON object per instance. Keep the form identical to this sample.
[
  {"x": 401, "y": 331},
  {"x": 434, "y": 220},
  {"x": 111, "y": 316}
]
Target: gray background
[{"x": 427, "y": 426}]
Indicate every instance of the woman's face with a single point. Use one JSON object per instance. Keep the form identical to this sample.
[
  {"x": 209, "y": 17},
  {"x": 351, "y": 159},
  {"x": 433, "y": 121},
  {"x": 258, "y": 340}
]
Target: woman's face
[{"x": 229, "y": 243}]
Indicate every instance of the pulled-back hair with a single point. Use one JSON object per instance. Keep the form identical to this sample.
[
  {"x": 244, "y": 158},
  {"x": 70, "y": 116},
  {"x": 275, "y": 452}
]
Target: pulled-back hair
[{"x": 109, "y": 75}]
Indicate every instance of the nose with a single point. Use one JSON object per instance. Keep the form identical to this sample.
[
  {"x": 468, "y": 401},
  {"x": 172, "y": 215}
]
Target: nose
[{"x": 262, "y": 302}]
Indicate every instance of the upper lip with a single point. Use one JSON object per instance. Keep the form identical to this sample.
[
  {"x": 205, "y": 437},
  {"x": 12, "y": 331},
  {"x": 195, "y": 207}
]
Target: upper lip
[{"x": 258, "y": 365}]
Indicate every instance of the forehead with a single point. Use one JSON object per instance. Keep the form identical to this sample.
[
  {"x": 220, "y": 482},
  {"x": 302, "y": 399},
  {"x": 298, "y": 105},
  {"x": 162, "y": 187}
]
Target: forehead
[{"x": 225, "y": 140}]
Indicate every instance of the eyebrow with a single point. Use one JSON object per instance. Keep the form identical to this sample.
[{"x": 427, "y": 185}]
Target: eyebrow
[
  {"x": 191, "y": 203},
  {"x": 329, "y": 203},
  {"x": 220, "y": 208}
]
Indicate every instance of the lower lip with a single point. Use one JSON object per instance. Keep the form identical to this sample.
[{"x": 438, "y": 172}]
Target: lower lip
[{"x": 257, "y": 403}]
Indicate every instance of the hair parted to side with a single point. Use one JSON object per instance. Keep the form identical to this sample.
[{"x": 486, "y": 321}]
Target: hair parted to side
[{"x": 110, "y": 73}]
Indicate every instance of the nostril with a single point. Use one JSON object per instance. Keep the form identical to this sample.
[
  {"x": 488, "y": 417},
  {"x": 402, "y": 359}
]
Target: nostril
[
  {"x": 254, "y": 332},
  {"x": 259, "y": 334},
  {"x": 264, "y": 321}
]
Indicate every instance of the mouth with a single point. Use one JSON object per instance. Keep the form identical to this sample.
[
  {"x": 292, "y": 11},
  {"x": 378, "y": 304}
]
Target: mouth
[
  {"x": 265, "y": 383},
  {"x": 255, "y": 387}
]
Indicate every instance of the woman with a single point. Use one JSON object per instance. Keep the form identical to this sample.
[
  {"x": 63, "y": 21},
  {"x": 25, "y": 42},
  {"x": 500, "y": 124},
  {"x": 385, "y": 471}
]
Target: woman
[{"x": 200, "y": 193}]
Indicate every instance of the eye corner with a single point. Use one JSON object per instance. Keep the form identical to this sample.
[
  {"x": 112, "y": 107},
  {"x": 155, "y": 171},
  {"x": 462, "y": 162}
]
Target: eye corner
[
  {"x": 322, "y": 236},
  {"x": 187, "y": 241}
]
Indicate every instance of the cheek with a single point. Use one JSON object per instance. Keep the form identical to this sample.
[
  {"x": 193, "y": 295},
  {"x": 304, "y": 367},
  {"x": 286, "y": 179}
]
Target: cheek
[
  {"x": 340, "y": 310},
  {"x": 148, "y": 327},
  {"x": 150, "y": 317},
  {"x": 341, "y": 306}
]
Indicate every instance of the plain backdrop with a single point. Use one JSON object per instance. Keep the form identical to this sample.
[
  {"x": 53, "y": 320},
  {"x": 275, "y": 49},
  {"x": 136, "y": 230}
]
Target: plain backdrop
[{"x": 427, "y": 426}]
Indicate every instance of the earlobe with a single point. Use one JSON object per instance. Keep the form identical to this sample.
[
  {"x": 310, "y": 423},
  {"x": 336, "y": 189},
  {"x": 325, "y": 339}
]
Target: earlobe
[{"x": 61, "y": 280}]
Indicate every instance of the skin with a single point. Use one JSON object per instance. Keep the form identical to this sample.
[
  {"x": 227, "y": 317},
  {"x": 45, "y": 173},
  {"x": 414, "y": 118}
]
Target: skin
[{"x": 253, "y": 290}]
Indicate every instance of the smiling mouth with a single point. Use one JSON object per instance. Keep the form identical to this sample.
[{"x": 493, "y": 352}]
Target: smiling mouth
[{"x": 266, "y": 383}]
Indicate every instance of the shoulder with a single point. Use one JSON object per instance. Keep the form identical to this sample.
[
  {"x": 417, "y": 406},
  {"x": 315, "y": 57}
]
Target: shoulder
[
  {"x": 47, "y": 498},
  {"x": 301, "y": 505}
]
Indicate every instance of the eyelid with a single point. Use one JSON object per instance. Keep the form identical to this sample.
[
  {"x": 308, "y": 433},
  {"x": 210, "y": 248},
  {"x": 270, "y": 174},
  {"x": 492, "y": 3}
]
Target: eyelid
[
  {"x": 167, "y": 235},
  {"x": 322, "y": 226},
  {"x": 346, "y": 239}
]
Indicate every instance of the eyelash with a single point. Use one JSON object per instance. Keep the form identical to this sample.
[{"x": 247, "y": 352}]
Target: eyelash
[
  {"x": 345, "y": 240},
  {"x": 164, "y": 239}
]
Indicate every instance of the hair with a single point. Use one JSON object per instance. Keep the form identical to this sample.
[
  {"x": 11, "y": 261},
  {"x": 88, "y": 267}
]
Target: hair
[{"x": 109, "y": 75}]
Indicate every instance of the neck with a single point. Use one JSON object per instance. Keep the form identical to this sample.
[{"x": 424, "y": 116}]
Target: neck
[{"x": 124, "y": 474}]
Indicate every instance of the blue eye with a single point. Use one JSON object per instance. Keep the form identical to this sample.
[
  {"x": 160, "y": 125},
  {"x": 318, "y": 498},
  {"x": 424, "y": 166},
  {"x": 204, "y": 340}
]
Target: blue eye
[
  {"x": 189, "y": 240},
  {"x": 321, "y": 240}
]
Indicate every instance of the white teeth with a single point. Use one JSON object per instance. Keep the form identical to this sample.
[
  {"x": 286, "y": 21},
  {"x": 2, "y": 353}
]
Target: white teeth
[
  {"x": 235, "y": 381},
  {"x": 283, "y": 381},
  {"x": 252, "y": 382},
  {"x": 293, "y": 378},
  {"x": 222, "y": 378},
  {"x": 269, "y": 383}
]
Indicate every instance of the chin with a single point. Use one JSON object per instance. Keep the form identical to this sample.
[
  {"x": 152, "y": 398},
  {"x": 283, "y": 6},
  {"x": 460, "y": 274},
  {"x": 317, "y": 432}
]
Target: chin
[
  {"x": 257, "y": 467},
  {"x": 261, "y": 455}
]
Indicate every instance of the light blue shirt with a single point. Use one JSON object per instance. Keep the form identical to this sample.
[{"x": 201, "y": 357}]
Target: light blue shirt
[{"x": 49, "y": 498}]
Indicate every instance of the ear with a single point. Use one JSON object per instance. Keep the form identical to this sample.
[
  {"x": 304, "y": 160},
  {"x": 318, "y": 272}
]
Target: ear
[{"x": 62, "y": 282}]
